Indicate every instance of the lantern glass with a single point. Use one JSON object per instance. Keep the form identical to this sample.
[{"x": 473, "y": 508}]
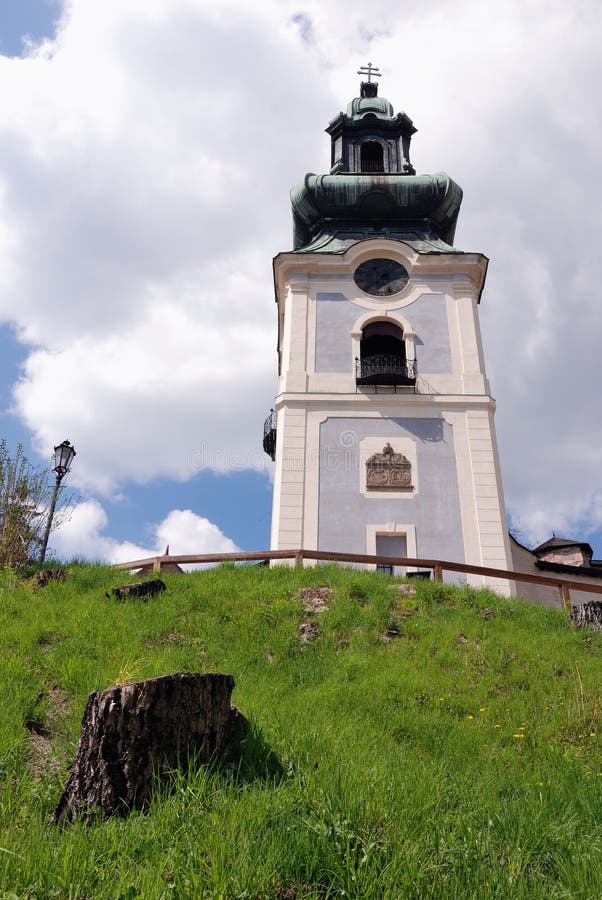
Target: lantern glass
[{"x": 63, "y": 457}]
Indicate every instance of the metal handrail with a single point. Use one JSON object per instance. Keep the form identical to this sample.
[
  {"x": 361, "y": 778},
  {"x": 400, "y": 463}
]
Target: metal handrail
[
  {"x": 391, "y": 368},
  {"x": 269, "y": 435}
]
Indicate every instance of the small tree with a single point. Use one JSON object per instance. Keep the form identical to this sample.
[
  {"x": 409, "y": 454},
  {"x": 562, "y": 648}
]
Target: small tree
[{"x": 25, "y": 495}]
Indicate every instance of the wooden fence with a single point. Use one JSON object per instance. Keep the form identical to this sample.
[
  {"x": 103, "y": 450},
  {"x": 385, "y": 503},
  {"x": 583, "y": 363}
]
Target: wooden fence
[{"x": 438, "y": 566}]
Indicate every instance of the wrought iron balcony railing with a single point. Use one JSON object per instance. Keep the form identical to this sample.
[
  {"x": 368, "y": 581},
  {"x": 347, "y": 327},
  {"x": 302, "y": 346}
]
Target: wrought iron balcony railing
[
  {"x": 385, "y": 368},
  {"x": 269, "y": 435}
]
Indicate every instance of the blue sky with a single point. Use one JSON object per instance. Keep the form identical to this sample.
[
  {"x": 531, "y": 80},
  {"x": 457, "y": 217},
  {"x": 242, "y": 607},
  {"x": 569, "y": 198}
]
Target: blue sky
[
  {"x": 26, "y": 18},
  {"x": 19, "y": 19},
  {"x": 239, "y": 503},
  {"x": 143, "y": 198}
]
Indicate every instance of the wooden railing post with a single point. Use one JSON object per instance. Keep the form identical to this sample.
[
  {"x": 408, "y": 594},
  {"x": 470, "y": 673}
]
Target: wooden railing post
[
  {"x": 565, "y": 596},
  {"x": 299, "y": 558},
  {"x": 157, "y": 565},
  {"x": 438, "y": 573}
]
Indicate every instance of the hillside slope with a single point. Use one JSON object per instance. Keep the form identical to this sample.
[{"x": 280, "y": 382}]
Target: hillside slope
[{"x": 442, "y": 744}]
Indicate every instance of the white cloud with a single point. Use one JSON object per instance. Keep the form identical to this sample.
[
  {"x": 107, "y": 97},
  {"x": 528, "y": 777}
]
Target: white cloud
[
  {"x": 145, "y": 160},
  {"x": 82, "y": 536}
]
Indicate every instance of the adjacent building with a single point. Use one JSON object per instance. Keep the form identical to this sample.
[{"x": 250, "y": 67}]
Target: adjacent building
[{"x": 562, "y": 558}]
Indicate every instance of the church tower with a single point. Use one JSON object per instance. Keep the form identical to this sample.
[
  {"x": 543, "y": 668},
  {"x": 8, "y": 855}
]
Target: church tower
[{"x": 382, "y": 431}]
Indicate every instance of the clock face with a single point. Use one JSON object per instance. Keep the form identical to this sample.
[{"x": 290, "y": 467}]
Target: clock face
[{"x": 381, "y": 277}]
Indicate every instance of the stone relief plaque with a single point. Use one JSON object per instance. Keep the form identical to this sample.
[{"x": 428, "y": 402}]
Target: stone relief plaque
[{"x": 388, "y": 471}]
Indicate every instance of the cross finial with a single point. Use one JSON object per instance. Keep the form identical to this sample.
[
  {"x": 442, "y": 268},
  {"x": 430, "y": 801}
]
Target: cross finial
[{"x": 369, "y": 70}]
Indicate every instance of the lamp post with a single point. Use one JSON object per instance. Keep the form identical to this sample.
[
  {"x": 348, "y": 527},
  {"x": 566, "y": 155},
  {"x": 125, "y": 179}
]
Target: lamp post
[{"x": 63, "y": 457}]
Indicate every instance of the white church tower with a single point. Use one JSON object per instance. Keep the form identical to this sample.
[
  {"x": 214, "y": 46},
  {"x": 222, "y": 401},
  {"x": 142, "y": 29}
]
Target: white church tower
[{"x": 382, "y": 432}]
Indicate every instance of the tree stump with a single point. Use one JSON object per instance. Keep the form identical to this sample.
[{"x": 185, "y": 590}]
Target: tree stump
[
  {"x": 140, "y": 589},
  {"x": 588, "y": 614},
  {"x": 134, "y": 735},
  {"x": 45, "y": 576}
]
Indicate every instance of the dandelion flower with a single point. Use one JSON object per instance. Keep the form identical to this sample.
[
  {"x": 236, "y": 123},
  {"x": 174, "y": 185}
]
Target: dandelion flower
[
  {"x": 471, "y": 717},
  {"x": 497, "y": 726},
  {"x": 517, "y": 735},
  {"x": 482, "y": 709}
]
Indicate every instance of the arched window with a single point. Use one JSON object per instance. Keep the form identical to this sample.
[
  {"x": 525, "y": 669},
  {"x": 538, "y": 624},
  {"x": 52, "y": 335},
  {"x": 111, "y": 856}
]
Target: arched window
[
  {"x": 371, "y": 157},
  {"x": 383, "y": 356}
]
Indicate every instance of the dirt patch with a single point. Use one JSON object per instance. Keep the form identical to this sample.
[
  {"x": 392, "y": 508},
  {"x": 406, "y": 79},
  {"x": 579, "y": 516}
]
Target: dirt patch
[
  {"x": 308, "y": 631},
  {"x": 403, "y": 589},
  {"x": 59, "y": 706},
  {"x": 48, "y": 640},
  {"x": 462, "y": 639},
  {"x": 390, "y": 634},
  {"x": 172, "y": 639},
  {"x": 315, "y": 599},
  {"x": 41, "y": 756},
  {"x": 41, "y": 753}
]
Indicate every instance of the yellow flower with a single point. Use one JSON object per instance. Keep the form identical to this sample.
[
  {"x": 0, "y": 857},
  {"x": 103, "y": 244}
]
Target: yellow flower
[
  {"x": 482, "y": 709},
  {"x": 592, "y": 734},
  {"x": 518, "y": 735},
  {"x": 440, "y": 699},
  {"x": 471, "y": 717},
  {"x": 497, "y": 726},
  {"x": 539, "y": 783}
]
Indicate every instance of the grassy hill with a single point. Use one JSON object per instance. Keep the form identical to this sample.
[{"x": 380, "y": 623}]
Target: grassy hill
[{"x": 442, "y": 744}]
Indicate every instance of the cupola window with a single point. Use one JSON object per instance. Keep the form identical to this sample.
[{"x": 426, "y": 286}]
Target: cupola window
[{"x": 371, "y": 157}]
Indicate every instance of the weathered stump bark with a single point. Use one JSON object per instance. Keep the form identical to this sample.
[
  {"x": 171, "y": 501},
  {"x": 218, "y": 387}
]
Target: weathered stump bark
[
  {"x": 140, "y": 589},
  {"x": 45, "y": 576},
  {"x": 135, "y": 735},
  {"x": 588, "y": 614}
]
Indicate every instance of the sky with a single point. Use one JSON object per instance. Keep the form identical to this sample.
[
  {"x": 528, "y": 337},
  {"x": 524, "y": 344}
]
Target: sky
[{"x": 147, "y": 150}]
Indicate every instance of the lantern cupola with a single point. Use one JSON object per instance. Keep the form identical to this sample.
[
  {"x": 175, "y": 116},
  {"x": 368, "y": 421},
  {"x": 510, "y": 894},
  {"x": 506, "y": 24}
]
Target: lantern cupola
[{"x": 369, "y": 138}]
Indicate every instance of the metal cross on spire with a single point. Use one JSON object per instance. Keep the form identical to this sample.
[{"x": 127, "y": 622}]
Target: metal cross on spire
[{"x": 369, "y": 70}]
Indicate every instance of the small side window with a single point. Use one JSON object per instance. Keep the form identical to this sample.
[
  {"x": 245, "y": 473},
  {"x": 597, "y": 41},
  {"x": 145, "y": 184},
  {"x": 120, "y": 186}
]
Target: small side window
[{"x": 371, "y": 157}]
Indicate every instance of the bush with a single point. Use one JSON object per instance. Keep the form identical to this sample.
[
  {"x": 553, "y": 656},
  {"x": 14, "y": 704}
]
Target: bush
[{"x": 25, "y": 496}]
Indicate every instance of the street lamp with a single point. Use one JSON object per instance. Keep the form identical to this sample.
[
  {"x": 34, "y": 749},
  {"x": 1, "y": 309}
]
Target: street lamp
[{"x": 63, "y": 457}]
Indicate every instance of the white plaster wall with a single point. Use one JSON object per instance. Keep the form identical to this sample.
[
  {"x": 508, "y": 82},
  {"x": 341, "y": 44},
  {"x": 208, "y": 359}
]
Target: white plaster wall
[
  {"x": 306, "y": 397},
  {"x": 289, "y": 487}
]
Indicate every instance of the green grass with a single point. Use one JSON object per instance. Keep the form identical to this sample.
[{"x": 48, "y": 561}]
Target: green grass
[{"x": 458, "y": 757}]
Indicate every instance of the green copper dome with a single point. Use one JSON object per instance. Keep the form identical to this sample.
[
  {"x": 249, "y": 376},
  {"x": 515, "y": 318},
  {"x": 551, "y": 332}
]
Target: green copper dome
[
  {"x": 370, "y": 106},
  {"x": 372, "y": 190}
]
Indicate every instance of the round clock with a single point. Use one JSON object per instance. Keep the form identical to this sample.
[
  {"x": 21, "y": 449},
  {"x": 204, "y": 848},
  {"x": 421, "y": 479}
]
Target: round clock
[{"x": 381, "y": 277}]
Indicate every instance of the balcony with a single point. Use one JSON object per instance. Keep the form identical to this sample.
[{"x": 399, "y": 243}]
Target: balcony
[
  {"x": 269, "y": 435},
  {"x": 385, "y": 369}
]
